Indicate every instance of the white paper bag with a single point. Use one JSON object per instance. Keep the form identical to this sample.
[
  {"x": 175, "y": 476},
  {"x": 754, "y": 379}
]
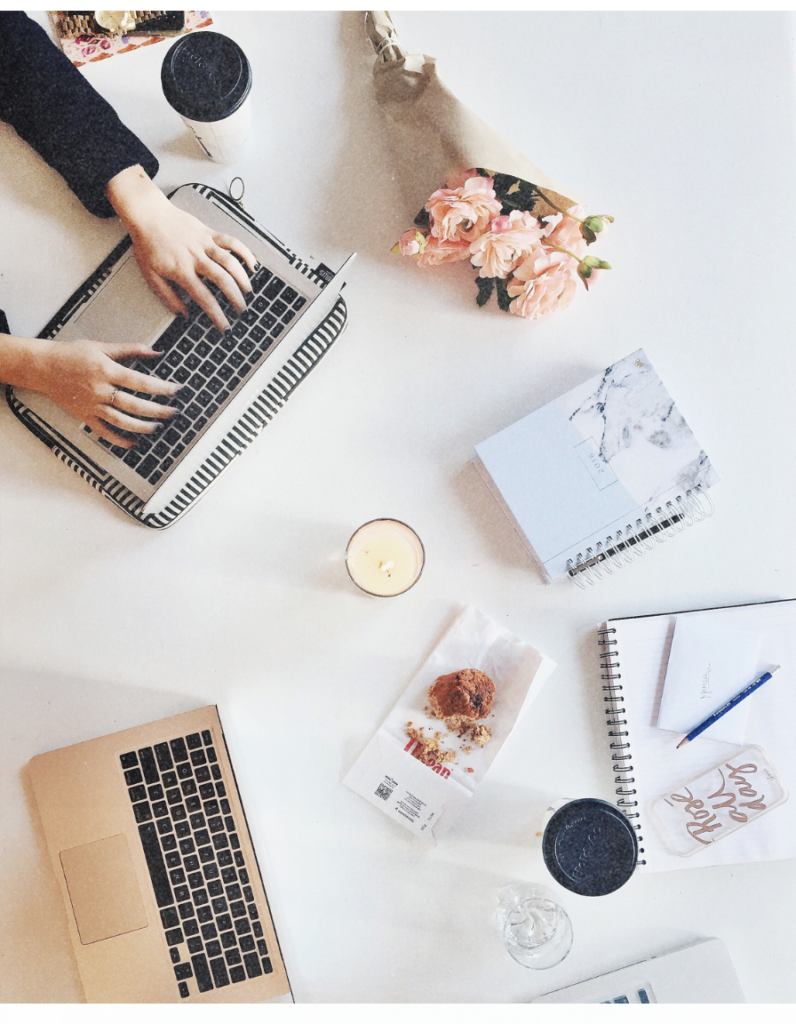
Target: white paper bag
[{"x": 416, "y": 793}]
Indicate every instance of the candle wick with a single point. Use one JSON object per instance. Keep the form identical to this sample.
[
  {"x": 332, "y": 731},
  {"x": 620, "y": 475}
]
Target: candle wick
[{"x": 386, "y": 566}]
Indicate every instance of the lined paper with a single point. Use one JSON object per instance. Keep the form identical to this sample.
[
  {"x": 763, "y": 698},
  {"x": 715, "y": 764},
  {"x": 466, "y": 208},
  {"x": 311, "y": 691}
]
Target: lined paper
[{"x": 642, "y": 653}]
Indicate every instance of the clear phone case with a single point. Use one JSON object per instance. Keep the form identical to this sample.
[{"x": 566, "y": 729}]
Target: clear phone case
[{"x": 730, "y": 795}]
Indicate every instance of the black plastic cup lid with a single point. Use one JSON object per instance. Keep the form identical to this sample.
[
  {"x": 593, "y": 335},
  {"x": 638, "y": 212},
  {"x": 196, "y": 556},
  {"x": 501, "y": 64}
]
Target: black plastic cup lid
[
  {"x": 590, "y": 847},
  {"x": 206, "y": 76}
]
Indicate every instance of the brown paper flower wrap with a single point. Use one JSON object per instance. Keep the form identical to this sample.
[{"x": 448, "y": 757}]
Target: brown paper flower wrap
[{"x": 522, "y": 231}]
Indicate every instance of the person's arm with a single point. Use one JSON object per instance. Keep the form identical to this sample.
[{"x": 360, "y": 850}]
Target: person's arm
[
  {"x": 54, "y": 108},
  {"x": 84, "y": 378}
]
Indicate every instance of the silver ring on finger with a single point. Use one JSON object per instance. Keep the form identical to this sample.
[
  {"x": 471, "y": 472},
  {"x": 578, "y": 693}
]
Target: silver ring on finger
[
  {"x": 211, "y": 253},
  {"x": 113, "y": 396}
]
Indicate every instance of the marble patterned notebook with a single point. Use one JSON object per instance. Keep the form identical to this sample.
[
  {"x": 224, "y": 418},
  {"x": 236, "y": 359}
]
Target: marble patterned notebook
[{"x": 600, "y": 475}]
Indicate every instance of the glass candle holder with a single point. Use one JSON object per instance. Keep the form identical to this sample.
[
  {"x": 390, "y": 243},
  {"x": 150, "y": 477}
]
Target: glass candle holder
[
  {"x": 385, "y": 557},
  {"x": 536, "y": 931}
]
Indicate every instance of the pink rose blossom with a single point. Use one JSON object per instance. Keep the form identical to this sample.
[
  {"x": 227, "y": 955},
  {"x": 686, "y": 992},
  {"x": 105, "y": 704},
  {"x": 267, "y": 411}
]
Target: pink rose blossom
[
  {"x": 564, "y": 232},
  {"x": 508, "y": 240},
  {"x": 463, "y": 214},
  {"x": 438, "y": 251},
  {"x": 500, "y": 224},
  {"x": 542, "y": 285},
  {"x": 550, "y": 223},
  {"x": 411, "y": 242}
]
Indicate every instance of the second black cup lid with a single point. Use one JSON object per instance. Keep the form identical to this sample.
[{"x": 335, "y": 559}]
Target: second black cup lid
[
  {"x": 590, "y": 847},
  {"x": 205, "y": 76}
]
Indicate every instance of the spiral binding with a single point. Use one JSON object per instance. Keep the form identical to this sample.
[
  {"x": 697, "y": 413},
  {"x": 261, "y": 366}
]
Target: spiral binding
[
  {"x": 620, "y": 747},
  {"x": 624, "y": 546}
]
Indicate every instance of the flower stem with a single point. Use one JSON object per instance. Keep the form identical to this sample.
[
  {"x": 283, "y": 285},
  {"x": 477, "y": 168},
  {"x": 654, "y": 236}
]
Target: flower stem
[
  {"x": 566, "y": 213},
  {"x": 557, "y": 208},
  {"x": 551, "y": 245}
]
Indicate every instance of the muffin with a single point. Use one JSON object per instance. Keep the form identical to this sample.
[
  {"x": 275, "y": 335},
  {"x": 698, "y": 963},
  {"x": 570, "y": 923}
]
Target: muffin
[{"x": 462, "y": 698}]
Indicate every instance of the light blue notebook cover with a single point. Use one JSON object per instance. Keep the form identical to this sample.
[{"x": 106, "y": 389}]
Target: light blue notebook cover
[{"x": 595, "y": 465}]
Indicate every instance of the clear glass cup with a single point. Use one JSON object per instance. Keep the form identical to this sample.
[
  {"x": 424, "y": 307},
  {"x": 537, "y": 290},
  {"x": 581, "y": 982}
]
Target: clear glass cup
[{"x": 536, "y": 930}]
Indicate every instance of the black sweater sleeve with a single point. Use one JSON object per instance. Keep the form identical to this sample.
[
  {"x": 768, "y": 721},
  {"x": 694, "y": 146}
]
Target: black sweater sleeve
[{"x": 51, "y": 105}]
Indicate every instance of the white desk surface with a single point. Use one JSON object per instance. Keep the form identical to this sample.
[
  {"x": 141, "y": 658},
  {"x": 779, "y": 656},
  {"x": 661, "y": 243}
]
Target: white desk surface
[{"x": 682, "y": 126}]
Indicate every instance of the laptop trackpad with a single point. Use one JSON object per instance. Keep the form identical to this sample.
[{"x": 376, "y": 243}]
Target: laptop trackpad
[{"x": 103, "y": 889}]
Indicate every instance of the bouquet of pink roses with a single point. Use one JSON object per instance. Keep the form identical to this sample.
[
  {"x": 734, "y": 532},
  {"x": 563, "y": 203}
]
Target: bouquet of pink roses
[
  {"x": 516, "y": 226},
  {"x": 531, "y": 259}
]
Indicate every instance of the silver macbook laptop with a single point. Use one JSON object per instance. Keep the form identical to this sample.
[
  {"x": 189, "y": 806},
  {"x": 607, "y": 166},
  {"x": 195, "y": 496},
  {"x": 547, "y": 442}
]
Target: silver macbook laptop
[{"x": 221, "y": 374}]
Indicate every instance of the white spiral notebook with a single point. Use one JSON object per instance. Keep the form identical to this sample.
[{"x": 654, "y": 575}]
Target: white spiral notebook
[
  {"x": 644, "y": 760},
  {"x": 600, "y": 475}
]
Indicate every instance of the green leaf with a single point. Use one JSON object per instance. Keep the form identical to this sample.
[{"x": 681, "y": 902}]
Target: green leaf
[
  {"x": 485, "y": 287},
  {"x": 515, "y": 193},
  {"x": 502, "y": 183},
  {"x": 503, "y": 297},
  {"x": 588, "y": 234},
  {"x": 423, "y": 220}
]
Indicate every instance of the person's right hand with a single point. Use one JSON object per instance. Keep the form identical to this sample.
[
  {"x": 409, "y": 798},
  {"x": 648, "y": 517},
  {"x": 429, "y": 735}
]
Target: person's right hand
[
  {"x": 86, "y": 380},
  {"x": 172, "y": 247}
]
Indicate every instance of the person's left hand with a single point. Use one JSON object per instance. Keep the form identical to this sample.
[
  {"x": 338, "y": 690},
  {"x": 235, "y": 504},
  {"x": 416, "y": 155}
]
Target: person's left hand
[{"x": 173, "y": 247}]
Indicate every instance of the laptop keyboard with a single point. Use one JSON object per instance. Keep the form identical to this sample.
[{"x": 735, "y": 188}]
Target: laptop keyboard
[
  {"x": 199, "y": 875},
  {"x": 209, "y": 365}
]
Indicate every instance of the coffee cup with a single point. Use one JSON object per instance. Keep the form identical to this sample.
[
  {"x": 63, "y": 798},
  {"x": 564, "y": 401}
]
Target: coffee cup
[
  {"x": 589, "y": 846},
  {"x": 207, "y": 79}
]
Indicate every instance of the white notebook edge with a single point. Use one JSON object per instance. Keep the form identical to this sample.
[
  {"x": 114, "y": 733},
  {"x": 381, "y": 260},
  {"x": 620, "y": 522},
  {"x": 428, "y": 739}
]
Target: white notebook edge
[
  {"x": 598, "y": 539},
  {"x": 492, "y": 487},
  {"x": 626, "y": 776}
]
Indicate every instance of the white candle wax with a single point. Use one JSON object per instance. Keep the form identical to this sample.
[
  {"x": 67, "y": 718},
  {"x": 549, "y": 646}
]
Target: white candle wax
[{"x": 385, "y": 557}]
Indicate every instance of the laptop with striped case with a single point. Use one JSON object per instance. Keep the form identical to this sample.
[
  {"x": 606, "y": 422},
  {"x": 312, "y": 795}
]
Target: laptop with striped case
[{"x": 272, "y": 346}]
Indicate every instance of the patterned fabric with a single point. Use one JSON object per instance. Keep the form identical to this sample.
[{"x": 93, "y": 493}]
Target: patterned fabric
[{"x": 83, "y": 49}]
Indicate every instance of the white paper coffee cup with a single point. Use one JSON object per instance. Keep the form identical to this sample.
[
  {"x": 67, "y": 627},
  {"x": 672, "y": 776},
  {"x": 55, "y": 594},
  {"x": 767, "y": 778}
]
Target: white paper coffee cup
[
  {"x": 224, "y": 141},
  {"x": 207, "y": 79}
]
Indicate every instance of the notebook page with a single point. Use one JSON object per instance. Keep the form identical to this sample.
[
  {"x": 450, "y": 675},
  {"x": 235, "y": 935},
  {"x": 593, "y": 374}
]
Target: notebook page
[
  {"x": 708, "y": 665},
  {"x": 642, "y": 653}
]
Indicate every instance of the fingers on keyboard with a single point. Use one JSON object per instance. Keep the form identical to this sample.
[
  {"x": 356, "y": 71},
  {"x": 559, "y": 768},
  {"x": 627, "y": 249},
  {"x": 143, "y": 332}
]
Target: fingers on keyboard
[{"x": 199, "y": 369}]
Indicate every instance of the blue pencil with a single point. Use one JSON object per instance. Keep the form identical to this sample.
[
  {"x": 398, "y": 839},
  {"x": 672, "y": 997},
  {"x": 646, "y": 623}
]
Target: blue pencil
[{"x": 728, "y": 706}]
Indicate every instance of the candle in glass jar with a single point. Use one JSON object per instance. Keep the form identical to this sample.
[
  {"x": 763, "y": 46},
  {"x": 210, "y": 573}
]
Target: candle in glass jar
[{"x": 385, "y": 557}]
